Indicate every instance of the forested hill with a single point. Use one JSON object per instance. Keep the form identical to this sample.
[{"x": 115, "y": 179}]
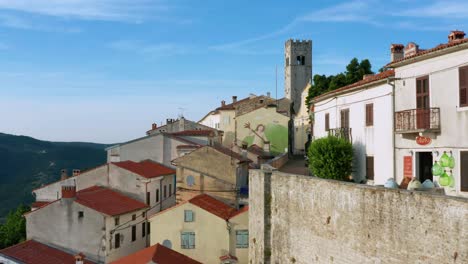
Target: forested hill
[{"x": 27, "y": 163}]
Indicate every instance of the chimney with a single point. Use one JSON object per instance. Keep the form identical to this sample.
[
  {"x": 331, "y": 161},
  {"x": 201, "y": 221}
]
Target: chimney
[
  {"x": 396, "y": 52},
  {"x": 63, "y": 174},
  {"x": 76, "y": 172},
  {"x": 223, "y": 103},
  {"x": 154, "y": 126},
  {"x": 411, "y": 49},
  {"x": 456, "y": 35},
  {"x": 68, "y": 190},
  {"x": 234, "y": 99},
  {"x": 266, "y": 146},
  {"x": 79, "y": 258}
]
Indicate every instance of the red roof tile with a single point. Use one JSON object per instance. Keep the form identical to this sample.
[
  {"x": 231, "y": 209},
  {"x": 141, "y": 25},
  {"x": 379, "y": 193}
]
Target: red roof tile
[
  {"x": 146, "y": 168},
  {"x": 39, "y": 204},
  {"x": 33, "y": 252},
  {"x": 157, "y": 254},
  {"x": 214, "y": 206},
  {"x": 428, "y": 51},
  {"x": 228, "y": 257},
  {"x": 194, "y": 133},
  {"x": 107, "y": 201},
  {"x": 368, "y": 80}
]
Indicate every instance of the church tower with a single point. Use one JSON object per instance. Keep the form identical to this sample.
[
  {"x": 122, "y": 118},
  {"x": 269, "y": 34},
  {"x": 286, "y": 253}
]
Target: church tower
[{"x": 297, "y": 69}]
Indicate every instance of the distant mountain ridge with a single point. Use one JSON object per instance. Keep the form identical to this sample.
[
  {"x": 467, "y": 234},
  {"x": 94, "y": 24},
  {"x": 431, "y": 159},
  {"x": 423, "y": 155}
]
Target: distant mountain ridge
[{"x": 27, "y": 163}]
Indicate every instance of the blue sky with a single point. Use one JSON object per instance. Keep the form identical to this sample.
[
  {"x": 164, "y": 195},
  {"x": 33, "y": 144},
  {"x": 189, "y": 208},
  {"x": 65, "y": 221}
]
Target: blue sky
[{"x": 103, "y": 71}]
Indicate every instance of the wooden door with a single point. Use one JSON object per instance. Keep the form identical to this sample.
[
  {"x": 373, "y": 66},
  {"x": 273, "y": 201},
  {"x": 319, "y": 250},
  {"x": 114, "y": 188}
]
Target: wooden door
[
  {"x": 423, "y": 114},
  {"x": 464, "y": 171}
]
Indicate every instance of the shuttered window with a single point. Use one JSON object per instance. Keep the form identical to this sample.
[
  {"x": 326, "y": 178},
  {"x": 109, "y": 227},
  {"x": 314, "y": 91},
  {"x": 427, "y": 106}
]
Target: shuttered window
[
  {"x": 463, "y": 79},
  {"x": 242, "y": 238},
  {"x": 188, "y": 215},
  {"x": 327, "y": 122},
  {"x": 117, "y": 240},
  {"x": 369, "y": 114},
  {"x": 464, "y": 170},
  {"x": 345, "y": 118},
  {"x": 187, "y": 240},
  {"x": 143, "y": 229},
  {"x": 133, "y": 233},
  {"x": 370, "y": 167}
]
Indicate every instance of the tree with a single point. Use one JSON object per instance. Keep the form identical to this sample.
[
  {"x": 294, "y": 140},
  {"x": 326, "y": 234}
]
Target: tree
[
  {"x": 331, "y": 158},
  {"x": 13, "y": 231}
]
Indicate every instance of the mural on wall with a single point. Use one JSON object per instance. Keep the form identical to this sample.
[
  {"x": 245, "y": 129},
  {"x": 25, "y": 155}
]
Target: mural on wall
[{"x": 276, "y": 134}]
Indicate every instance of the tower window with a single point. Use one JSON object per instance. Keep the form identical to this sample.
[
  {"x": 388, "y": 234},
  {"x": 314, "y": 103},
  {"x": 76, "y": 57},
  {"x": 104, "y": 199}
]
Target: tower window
[{"x": 300, "y": 60}]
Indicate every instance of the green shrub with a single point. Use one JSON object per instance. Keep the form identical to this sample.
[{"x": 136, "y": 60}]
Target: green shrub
[{"x": 331, "y": 158}]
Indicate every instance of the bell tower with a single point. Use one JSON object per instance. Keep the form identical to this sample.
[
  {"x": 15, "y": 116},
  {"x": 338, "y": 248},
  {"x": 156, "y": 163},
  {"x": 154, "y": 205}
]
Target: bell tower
[{"x": 297, "y": 69}]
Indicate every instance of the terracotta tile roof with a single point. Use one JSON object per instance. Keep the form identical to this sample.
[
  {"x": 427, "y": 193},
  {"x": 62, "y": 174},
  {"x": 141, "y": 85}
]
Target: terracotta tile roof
[
  {"x": 368, "y": 80},
  {"x": 39, "y": 204},
  {"x": 228, "y": 257},
  {"x": 187, "y": 146},
  {"x": 147, "y": 168},
  {"x": 194, "y": 133},
  {"x": 214, "y": 206},
  {"x": 107, "y": 201},
  {"x": 33, "y": 252},
  {"x": 156, "y": 254},
  {"x": 428, "y": 51}
]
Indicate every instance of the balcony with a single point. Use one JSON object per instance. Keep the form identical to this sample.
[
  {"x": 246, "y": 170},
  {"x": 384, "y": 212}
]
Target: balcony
[
  {"x": 417, "y": 120},
  {"x": 341, "y": 132}
]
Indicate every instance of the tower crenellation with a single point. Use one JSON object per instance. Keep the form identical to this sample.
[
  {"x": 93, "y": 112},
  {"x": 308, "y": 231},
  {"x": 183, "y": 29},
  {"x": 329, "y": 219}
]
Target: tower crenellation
[{"x": 297, "y": 69}]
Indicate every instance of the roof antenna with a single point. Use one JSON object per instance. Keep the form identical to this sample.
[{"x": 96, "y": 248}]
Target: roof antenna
[{"x": 181, "y": 114}]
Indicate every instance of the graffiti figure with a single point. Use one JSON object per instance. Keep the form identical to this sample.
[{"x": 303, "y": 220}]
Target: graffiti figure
[{"x": 258, "y": 133}]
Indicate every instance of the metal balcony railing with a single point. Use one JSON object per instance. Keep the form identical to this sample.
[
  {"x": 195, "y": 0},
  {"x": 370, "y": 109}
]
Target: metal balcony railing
[
  {"x": 341, "y": 132},
  {"x": 417, "y": 120}
]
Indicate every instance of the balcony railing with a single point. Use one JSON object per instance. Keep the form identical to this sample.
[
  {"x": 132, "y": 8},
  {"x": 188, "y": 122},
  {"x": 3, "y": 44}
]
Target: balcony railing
[
  {"x": 341, "y": 132},
  {"x": 417, "y": 120}
]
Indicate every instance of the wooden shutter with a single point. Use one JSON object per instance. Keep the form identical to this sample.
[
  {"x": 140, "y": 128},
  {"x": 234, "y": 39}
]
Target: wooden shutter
[
  {"x": 463, "y": 88},
  {"x": 133, "y": 233},
  {"x": 117, "y": 240},
  {"x": 464, "y": 171},
  {"x": 345, "y": 118},
  {"x": 143, "y": 229},
  {"x": 369, "y": 114},
  {"x": 327, "y": 122},
  {"x": 370, "y": 167}
]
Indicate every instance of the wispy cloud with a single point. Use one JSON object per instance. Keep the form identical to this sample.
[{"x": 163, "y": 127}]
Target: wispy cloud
[
  {"x": 109, "y": 10},
  {"x": 17, "y": 22},
  {"x": 143, "y": 48},
  {"x": 438, "y": 9},
  {"x": 354, "y": 11}
]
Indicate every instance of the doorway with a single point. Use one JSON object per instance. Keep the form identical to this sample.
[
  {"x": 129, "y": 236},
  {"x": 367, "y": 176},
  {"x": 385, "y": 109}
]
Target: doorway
[{"x": 424, "y": 166}]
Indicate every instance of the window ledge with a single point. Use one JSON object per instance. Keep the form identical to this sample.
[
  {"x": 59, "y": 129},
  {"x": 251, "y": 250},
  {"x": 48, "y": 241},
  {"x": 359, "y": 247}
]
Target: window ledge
[{"x": 462, "y": 108}]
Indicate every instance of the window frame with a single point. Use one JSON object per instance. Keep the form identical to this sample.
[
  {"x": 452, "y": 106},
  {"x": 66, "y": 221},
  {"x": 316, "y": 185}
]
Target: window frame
[
  {"x": 460, "y": 69},
  {"x": 344, "y": 118},
  {"x": 244, "y": 233},
  {"x": 369, "y": 114},
  {"x": 116, "y": 220},
  {"x": 189, "y": 219},
  {"x": 157, "y": 195},
  {"x": 190, "y": 238},
  {"x": 80, "y": 214}
]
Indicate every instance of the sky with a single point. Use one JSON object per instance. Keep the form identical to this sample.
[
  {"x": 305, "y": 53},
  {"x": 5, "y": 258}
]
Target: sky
[{"x": 105, "y": 70}]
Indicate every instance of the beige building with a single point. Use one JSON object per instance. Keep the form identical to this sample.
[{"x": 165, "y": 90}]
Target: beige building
[
  {"x": 101, "y": 223},
  {"x": 215, "y": 170},
  {"x": 204, "y": 229}
]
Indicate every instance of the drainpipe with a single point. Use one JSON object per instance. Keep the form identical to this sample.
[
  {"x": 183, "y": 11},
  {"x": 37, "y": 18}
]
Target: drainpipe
[{"x": 391, "y": 82}]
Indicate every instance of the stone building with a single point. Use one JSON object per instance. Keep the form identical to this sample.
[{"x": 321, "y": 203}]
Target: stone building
[
  {"x": 204, "y": 229},
  {"x": 101, "y": 223},
  {"x": 431, "y": 111}
]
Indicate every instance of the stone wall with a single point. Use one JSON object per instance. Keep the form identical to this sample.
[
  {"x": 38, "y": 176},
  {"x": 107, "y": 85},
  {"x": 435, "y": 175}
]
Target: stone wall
[{"x": 311, "y": 220}]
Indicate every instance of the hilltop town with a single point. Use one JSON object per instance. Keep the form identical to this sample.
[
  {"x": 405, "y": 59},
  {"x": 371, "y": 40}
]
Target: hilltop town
[{"x": 239, "y": 185}]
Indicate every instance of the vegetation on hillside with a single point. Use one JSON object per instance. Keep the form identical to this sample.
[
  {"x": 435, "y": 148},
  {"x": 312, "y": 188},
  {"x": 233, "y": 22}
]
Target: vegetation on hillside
[
  {"x": 355, "y": 71},
  {"x": 331, "y": 158},
  {"x": 27, "y": 163},
  {"x": 13, "y": 231}
]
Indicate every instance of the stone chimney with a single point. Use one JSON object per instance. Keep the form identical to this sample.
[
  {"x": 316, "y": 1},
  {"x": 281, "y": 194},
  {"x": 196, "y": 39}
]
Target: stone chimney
[
  {"x": 69, "y": 190},
  {"x": 396, "y": 52},
  {"x": 76, "y": 172},
  {"x": 234, "y": 99},
  {"x": 411, "y": 49},
  {"x": 63, "y": 174},
  {"x": 79, "y": 258},
  {"x": 223, "y": 103},
  {"x": 154, "y": 126},
  {"x": 456, "y": 35}
]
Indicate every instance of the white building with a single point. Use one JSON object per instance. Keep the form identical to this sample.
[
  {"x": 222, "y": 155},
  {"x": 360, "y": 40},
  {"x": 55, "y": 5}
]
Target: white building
[
  {"x": 349, "y": 112},
  {"x": 431, "y": 111}
]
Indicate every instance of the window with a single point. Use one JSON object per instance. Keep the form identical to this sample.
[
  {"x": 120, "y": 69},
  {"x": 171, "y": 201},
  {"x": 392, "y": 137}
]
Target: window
[
  {"x": 463, "y": 88},
  {"x": 188, "y": 215},
  {"x": 242, "y": 238},
  {"x": 300, "y": 60},
  {"x": 344, "y": 118},
  {"x": 117, "y": 221},
  {"x": 143, "y": 229},
  {"x": 143, "y": 214},
  {"x": 148, "y": 226},
  {"x": 133, "y": 217},
  {"x": 80, "y": 214},
  {"x": 117, "y": 240},
  {"x": 464, "y": 171},
  {"x": 157, "y": 195},
  {"x": 327, "y": 122},
  {"x": 187, "y": 240},
  {"x": 190, "y": 180},
  {"x": 133, "y": 233},
  {"x": 148, "y": 196},
  {"x": 369, "y": 114},
  {"x": 370, "y": 167},
  {"x": 170, "y": 189},
  {"x": 165, "y": 191}
]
